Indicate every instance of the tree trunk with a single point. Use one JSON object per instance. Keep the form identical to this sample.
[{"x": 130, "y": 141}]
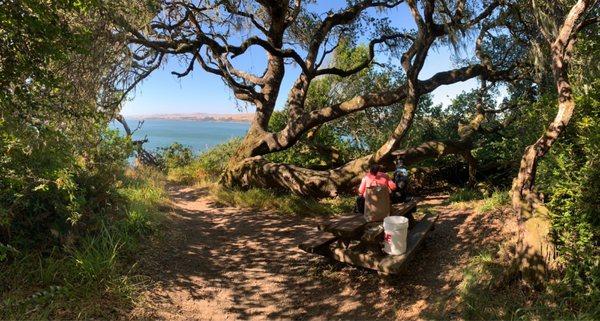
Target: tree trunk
[
  {"x": 523, "y": 194},
  {"x": 258, "y": 172},
  {"x": 535, "y": 251},
  {"x": 472, "y": 165},
  {"x": 143, "y": 156}
]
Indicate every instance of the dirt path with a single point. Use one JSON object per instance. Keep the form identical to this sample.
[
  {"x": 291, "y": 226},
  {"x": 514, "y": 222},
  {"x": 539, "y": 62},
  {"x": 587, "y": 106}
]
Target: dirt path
[{"x": 232, "y": 264}]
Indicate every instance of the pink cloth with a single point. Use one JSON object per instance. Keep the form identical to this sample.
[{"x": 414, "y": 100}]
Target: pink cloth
[{"x": 372, "y": 180}]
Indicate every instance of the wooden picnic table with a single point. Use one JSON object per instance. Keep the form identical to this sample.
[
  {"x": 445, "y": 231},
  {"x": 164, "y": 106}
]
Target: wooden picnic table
[
  {"x": 338, "y": 238},
  {"x": 381, "y": 262},
  {"x": 353, "y": 225}
]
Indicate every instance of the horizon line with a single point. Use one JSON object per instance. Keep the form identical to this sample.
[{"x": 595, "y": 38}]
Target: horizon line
[{"x": 188, "y": 113}]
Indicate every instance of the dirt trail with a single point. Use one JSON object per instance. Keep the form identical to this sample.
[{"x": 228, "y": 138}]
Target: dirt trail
[{"x": 233, "y": 264}]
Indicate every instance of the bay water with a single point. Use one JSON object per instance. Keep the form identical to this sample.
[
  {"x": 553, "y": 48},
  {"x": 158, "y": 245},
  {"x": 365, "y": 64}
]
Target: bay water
[{"x": 199, "y": 135}]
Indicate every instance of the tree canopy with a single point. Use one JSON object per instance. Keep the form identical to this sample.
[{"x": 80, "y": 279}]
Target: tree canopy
[{"x": 211, "y": 34}]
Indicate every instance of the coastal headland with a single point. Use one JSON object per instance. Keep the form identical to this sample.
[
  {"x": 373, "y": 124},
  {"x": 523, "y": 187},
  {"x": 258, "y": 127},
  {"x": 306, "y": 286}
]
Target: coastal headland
[{"x": 239, "y": 117}]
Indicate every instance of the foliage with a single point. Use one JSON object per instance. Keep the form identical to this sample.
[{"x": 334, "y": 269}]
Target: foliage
[
  {"x": 55, "y": 185},
  {"x": 60, "y": 65},
  {"x": 65, "y": 222},
  {"x": 213, "y": 161},
  {"x": 175, "y": 155},
  {"x": 368, "y": 129},
  {"x": 323, "y": 148},
  {"x": 569, "y": 176},
  {"x": 186, "y": 168},
  {"x": 333, "y": 144},
  {"x": 81, "y": 280},
  {"x": 61, "y": 58}
]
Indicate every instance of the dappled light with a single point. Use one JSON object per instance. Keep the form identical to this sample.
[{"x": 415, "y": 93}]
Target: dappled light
[{"x": 245, "y": 264}]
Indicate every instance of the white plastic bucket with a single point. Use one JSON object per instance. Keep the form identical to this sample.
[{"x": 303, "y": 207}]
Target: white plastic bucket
[{"x": 395, "y": 233}]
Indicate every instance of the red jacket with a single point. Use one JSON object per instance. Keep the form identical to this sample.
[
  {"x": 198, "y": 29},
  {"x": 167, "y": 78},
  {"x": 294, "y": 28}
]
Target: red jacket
[{"x": 372, "y": 180}]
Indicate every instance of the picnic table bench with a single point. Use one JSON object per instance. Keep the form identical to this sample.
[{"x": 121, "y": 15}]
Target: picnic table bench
[{"x": 351, "y": 239}]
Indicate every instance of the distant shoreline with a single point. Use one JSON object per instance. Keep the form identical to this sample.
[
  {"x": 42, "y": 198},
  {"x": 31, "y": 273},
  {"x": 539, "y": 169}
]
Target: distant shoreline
[{"x": 238, "y": 118}]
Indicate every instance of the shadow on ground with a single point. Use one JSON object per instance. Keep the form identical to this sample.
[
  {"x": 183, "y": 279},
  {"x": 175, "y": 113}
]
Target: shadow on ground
[{"x": 227, "y": 263}]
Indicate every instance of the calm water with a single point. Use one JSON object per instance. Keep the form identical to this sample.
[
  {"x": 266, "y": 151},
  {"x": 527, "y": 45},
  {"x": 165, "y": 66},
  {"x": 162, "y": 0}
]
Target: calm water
[{"x": 199, "y": 135}]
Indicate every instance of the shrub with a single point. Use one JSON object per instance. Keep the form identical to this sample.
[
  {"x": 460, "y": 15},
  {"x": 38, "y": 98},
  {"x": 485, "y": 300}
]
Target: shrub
[
  {"x": 185, "y": 168},
  {"x": 82, "y": 278},
  {"x": 569, "y": 176},
  {"x": 213, "y": 161},
  {"x": 55, "y": 187},
  {"x": 173, "y": 156}
]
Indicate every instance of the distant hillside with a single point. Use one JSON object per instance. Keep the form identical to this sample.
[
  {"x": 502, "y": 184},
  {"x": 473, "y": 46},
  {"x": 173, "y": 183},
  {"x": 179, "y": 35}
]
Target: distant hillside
[{"x": 243, "y": 117}]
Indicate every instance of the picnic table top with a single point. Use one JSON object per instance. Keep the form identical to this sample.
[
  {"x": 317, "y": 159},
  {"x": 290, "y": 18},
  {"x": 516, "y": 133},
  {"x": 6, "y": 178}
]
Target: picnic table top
[
  {"x": 352, "y": 225},
  {"x": 345, "y": 229},
  {"x": 387, "y": 264}
]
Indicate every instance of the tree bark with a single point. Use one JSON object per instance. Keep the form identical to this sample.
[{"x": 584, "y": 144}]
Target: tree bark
[
  {"x": 143, "y": 156},
  {"x": 534, "y": 248},
  {"x": 257, "y": 171},
  {"x": 247, "y": 168},
  {"x": 523, "y": 193}
]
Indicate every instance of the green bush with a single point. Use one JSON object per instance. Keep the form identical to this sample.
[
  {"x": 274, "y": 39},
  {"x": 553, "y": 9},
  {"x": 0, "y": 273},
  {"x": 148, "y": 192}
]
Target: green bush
[
  {"x": 173, "y": 156},
  {"x": 185, "y": 168},
  {"x": 214, "y": 161},
  {"x": 79, "y": 280},
  {"x": 53, "y": 187},
  {"x": 569, "y": 176},
  {"x": 64, "y": 225}
]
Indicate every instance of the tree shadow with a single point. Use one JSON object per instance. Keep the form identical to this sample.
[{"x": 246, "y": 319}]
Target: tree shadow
[{"x": 247, "y": 265}]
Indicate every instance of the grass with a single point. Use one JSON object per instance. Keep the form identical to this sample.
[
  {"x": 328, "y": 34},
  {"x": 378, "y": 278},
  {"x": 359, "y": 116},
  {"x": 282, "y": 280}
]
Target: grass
[
  {"x": 465, "y": 195},
  {"x": 471, "y": 199},
  {"x": 95, "y": 277},
  {"x": 491, "y": 290},
  {"x": 187, "y": 175},
  {"x": 480, "y": 296},
  {"x": 202, "y": 170},
  {"x": 264, "y": 199},
  {"x": 497, "y": 200}
]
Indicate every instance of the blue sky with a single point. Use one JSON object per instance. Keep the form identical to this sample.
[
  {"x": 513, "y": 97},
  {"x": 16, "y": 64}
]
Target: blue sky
[{"x": 201, "y": 92}]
